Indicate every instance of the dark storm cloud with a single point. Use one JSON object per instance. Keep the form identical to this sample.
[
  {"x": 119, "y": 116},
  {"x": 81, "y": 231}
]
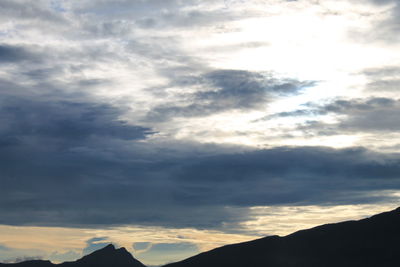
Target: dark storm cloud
[
  {"x": 63, "y": 120},
  {"x": 227, "y": 90},
  {"x": 88, "y": 176},
  {"x": 9, "y": 53},
  {"x": 285, "y": 175},
  {"x": 58, "y": 142}
]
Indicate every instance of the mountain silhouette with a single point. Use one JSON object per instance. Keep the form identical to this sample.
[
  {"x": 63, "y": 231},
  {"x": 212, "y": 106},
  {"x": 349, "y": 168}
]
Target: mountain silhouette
[
  {"x": 371, "y": 242},
  {"x": 32, "y": 263},
  {"x": 108, "y": 256}
]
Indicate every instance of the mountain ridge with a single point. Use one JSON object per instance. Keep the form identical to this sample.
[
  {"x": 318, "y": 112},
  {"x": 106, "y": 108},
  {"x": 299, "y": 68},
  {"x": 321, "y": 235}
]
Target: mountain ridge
[
  {"x": 106, "y": 256},
  {"x": 337, "y": 244},
  {"x": 369, "y": 242}
]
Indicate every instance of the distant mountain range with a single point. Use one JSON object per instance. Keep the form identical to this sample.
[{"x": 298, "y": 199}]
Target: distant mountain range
[
  {"x": 371, "y": 242},
  {"x": 108, "y": 256}
]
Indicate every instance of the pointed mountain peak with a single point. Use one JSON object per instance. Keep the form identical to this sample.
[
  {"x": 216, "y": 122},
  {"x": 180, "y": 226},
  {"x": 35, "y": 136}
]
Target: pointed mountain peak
[
  {"x": 106, "y": 251},
  {"x": 108, "y": 247},
  {"x": 122, "y": 249},
  {"x": 110, "y": 256}
]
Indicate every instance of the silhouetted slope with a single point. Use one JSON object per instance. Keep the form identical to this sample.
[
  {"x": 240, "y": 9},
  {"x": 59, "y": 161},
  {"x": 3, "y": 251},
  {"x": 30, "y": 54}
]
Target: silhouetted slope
[
  {"x": 105, "y": 257},
  {"x": 369, "y": 242},
  {"x": 33, "y": 263}
]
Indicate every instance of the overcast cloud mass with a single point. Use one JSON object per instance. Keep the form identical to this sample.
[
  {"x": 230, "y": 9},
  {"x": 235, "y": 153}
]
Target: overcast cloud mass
[{"x": 182, "y": 120}]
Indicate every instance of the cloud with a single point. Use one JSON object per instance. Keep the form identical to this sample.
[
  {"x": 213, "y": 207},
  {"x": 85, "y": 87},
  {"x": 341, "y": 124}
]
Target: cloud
[
  {"x": 385, "y": 22},
  {"x": 376, "y": 114},
  {"x": 184, "y": 19},
  {"x": 223, "y": 90},
  {"x": 168, "y": 252},
  {"x": 158, "y": 13},
  {"x": 15, "y": 255},
  {"x": 267, "y": 178},
  {"x": 295, "y": 113},
  {"x": 384, "y": 79},
  {"x": 141, "y": 246},
  {"x": 76, "y": 179},
  {"x": 63, "y": 121},
  {"x": 42, "y": 69},
  {"x": 26, "y": 258},
  {"x": 11, "y": 54},
  {"x": 69, "y": 255},
  {"x": 84, "y": 84},
  {"x": 4, "y": 248},
  {"x": 21, "y": 11}
]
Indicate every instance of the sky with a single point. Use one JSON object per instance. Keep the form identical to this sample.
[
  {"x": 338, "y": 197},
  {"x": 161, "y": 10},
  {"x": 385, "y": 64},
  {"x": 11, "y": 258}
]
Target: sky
[{"x": 171, "y": 127}]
